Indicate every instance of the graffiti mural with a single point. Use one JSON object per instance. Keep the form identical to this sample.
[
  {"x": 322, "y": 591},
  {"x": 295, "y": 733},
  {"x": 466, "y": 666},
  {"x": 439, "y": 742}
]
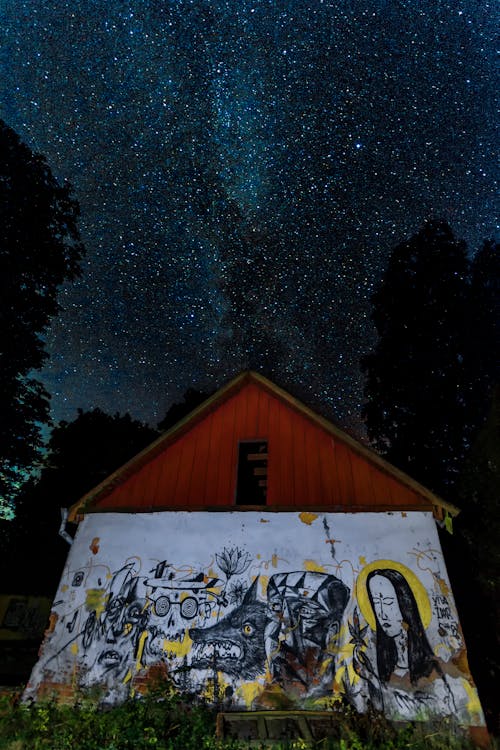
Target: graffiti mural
[
  {"x": 262, "y": 610},
  {"x": 305, "y": 611}
]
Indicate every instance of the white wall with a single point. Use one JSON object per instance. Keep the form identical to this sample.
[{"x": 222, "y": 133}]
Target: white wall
[{"x": 261, "y": 610}]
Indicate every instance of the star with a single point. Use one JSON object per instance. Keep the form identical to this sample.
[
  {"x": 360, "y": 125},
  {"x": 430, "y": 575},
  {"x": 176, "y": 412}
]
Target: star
[{"x": 243, "y": 170}]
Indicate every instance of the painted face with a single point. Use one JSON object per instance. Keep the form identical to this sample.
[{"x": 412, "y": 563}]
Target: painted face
[{"x": 386, "y": 606}]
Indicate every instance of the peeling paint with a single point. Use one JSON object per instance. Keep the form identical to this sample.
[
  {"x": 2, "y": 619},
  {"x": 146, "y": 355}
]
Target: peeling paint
[{"x": 94, "y": 545}]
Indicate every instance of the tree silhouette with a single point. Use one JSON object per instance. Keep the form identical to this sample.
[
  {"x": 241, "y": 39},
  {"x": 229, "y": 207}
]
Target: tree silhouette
[
  {"x": 40, "y": 248},
  {"x": 423, "y": 377},
  {"x": 430, "y": 388},
  {"x": 80, "y": 455},
  {"x": 192, "y": 398},
  {"x": 484, "y": 328},
  {"x": 473, "y": 558}
]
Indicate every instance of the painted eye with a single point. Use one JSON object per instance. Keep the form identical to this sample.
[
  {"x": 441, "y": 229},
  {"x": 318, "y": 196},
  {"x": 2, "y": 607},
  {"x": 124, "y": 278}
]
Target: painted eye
[{"x": 247, "y": 629}]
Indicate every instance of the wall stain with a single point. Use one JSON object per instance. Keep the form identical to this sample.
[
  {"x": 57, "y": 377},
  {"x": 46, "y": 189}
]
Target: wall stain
[{"x": 94, "y": 545}]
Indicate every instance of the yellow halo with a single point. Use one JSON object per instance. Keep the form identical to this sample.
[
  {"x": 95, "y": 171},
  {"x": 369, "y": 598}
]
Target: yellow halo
[{"x": 419, "y": 592}]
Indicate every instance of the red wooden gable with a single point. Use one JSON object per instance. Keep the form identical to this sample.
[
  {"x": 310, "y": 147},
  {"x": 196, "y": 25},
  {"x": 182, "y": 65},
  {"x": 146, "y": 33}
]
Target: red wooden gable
[{"x": 311, "y": 463}]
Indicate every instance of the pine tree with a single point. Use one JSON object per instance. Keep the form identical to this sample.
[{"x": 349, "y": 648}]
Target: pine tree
[{"x": 418, "y": 378}]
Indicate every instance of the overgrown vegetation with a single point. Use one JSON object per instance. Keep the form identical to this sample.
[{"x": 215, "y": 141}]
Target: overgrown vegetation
[{"x": 166, "y": 722}]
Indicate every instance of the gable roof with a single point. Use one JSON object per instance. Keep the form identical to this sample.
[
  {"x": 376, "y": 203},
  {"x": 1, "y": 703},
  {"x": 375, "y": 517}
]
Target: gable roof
[{"x": 312, "y": 463}]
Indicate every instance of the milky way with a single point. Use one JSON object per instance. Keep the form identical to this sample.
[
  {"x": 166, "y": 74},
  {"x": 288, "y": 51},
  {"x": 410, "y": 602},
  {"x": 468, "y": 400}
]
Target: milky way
[{"x": 332, "y": 129}]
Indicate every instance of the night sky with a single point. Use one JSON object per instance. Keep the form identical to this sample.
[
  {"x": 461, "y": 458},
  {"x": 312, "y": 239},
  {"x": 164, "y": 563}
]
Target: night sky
[{"x": 335, "y": 129}]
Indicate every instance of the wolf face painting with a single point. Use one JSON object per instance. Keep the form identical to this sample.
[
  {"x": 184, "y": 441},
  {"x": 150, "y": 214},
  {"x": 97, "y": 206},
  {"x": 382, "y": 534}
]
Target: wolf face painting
[{"x": 235, "y": 645}]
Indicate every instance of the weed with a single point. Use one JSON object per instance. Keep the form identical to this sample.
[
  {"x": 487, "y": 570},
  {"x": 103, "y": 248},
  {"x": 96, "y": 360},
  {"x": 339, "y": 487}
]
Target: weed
[{"x": 163, "y": 720}]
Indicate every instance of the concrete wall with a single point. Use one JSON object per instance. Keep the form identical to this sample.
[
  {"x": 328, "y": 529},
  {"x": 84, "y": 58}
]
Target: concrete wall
[{"x": 261, "y": 610}]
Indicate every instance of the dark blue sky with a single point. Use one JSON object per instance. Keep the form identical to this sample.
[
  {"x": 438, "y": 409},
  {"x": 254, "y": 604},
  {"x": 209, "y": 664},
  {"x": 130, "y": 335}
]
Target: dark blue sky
[{"x": 336, "y": 128}]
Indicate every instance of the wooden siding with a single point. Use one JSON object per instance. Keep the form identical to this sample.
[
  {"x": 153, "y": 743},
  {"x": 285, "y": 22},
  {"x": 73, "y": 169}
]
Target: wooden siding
[{"x": 307, "y": 466}]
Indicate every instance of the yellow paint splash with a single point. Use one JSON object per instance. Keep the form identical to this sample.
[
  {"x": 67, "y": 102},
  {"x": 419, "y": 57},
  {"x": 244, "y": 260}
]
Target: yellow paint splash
[
  {"x": 443, "y": 586},
  {"x": 274, "y": 561},
  {"x": 313, "y": 566},
  {"x": 362, "y": 560},
  {"x": 140, "y": 649},
  {"x": 473, "y": 704},
  {"x": 74, "y": 648},
  {"x": 263, "y": 580},
  {"x": 308, "y": 518},
  {"x": 249, "y": 692},
  {"x": 65, "y": 587},
  {"x": 95, "y": 599},
  {"x": 213, "y": 690},
  {"x": 264, "y": 520},
  {"x": 179, "y": 648},
  {"x": 223, "y": 684},
  {"x": 341, "y": 650}
]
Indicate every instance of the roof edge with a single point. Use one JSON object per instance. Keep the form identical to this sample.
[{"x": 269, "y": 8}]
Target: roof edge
[
  {"x": 358, "y": 447},
  {"x": 151, "y": 451},
  {"x": 154, "y": 448}
]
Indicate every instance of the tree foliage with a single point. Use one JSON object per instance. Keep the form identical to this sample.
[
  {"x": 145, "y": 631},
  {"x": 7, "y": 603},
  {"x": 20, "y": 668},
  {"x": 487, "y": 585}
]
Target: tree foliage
[
  {"x": 80, "y": 455},
  {"x": 84, "y": 452},
  {"x": 40, "y": 248},
  {"x": 429, "y": 383},
  {"x": 484, "y": 328},
  {"x": 191, "y": 399},
  {"x": 473, "y": 557},
  {"x": 429, "y": 376}
]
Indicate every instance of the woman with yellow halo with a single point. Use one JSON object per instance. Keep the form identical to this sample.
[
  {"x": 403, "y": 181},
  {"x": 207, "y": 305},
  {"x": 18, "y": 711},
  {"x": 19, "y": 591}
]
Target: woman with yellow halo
[{"x": 408, "y": 678}]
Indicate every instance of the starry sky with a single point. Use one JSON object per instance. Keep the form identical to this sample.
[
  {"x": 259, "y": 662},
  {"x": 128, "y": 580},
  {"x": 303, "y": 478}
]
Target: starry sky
[{"x": 280, "y": 146}]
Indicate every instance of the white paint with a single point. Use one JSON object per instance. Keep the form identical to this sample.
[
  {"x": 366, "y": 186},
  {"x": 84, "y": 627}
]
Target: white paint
[{"x": 243, "y": 602}]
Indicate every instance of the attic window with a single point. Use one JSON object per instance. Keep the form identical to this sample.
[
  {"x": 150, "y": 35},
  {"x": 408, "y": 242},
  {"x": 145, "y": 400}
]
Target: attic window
[{"x": 251, "y": 488}]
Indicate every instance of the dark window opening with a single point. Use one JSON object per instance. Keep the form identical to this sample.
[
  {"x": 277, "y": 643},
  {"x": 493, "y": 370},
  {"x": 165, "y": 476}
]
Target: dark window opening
[{"x": 251, "y": 488}]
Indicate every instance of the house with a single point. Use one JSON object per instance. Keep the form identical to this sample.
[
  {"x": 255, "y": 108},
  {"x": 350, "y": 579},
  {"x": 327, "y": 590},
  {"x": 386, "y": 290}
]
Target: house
[{"x": 261, "y": 558}]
